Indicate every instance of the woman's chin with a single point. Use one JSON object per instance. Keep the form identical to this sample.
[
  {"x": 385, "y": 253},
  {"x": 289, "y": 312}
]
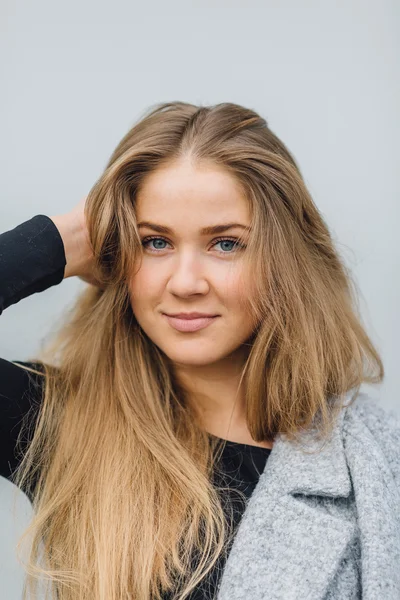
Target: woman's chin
[{"x": 194, "y": 358}]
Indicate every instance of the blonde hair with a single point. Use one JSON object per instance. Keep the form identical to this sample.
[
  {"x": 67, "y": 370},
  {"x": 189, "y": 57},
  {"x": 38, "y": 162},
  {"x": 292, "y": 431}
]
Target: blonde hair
[{"x": 121, "y": 470}]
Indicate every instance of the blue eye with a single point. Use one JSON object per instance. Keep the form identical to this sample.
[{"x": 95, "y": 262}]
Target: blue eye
[
  {"x": 234, "y": 241},
  {"x": 146, "y": 241},
  {"x": 226, "y": 241}
]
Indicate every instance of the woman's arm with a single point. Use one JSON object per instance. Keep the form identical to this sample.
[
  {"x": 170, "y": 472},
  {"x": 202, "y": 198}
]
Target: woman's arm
[
  {"x": 34, "y": 256},
  {"x": 32, "y": 259}
]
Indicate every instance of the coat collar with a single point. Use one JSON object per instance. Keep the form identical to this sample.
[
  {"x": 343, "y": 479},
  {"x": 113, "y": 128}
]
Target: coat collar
[
  {"x": 312, "y": 467},
  {"x": 280, "y": 537}
]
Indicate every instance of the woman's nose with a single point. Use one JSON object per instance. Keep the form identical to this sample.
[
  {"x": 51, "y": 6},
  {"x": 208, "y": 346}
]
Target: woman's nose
[{"x": 188, "y": 277}]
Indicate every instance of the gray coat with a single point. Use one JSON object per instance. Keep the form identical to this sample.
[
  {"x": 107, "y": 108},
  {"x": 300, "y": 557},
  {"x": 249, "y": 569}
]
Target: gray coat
[{"x": 324, "y": 526}]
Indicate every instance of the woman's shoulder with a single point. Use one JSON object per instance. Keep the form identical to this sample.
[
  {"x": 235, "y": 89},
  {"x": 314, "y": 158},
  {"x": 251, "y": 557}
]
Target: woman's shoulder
[
  {"x": 20, "y": 379},
  {"x": 21, "y": 393},
  {"x": 367, "y": 419},
  {"x": 369, "y": 410}
]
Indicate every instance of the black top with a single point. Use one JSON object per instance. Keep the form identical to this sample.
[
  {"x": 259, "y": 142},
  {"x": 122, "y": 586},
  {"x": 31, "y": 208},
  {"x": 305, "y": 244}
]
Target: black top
[{"x": 32, "y": 259}]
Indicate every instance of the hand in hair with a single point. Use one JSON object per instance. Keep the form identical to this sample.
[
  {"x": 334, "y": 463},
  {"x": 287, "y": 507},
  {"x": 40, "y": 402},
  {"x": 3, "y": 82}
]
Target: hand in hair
[{"x": 78, "y": 250}]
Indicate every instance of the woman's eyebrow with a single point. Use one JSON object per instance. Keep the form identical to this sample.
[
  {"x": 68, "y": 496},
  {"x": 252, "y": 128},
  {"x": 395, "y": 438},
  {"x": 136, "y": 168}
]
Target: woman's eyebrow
[{"x": 210, "y": 230}]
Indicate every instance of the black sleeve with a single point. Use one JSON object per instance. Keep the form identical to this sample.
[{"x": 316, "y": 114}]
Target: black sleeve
[
  {"x": 20, "y": 398},
  {"x": 32, "y": 259}
]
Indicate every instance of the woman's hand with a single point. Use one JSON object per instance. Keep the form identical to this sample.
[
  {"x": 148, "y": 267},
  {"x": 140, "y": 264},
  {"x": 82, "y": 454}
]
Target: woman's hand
[{"x": 78, "y": 251}]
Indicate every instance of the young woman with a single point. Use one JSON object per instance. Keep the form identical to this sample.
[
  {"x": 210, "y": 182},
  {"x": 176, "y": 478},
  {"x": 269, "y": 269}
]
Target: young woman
[{"x": 196, "y": 428}]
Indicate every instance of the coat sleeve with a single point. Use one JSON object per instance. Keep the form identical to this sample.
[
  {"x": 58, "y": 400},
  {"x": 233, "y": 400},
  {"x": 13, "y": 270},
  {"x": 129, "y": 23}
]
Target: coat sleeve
[{"x": 32, "y": 259}]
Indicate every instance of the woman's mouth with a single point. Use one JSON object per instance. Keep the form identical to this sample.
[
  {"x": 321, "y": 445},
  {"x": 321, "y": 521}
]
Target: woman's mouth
[{"x": 189, "y": 324}]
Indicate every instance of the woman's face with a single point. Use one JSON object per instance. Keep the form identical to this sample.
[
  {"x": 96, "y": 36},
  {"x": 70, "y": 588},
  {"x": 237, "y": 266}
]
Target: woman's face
[{"x": 187, "y": 270}]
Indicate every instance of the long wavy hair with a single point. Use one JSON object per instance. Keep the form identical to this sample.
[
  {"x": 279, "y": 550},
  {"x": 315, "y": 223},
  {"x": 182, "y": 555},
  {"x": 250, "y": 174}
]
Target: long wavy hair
[{"x": 120, "y": 470}]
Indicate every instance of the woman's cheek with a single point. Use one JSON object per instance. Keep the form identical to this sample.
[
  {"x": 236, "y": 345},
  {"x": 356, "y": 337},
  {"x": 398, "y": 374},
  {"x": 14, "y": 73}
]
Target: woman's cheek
[
  {"x": 144, "y": 281},
  {"x": 237, "y": 285}
]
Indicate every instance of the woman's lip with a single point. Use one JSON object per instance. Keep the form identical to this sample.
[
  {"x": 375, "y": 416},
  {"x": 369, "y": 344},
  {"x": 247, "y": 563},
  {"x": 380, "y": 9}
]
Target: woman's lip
[{"x": 189, "y": 324}]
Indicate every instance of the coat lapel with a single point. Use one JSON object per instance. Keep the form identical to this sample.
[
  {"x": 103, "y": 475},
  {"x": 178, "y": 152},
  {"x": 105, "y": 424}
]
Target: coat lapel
[{"x": 286, "y": 548}]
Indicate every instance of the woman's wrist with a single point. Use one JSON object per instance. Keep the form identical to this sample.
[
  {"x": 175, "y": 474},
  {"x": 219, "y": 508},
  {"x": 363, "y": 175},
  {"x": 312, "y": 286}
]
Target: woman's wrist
[{"x": 73, "y": 235}]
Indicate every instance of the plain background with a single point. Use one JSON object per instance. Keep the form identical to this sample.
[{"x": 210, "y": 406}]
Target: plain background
[{"x": 76, "y": 76}]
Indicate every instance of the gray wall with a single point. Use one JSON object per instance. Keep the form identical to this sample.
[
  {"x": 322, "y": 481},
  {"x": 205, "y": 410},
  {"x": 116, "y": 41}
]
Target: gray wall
[{"x": 76, "y": 75}]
